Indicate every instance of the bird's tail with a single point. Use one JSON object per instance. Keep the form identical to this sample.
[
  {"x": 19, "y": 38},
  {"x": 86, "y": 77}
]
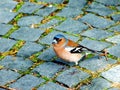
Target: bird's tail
[{"x": 103, "y": 52}]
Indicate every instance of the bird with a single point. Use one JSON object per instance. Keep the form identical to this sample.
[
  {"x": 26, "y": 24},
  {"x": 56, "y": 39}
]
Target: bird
[{"x": 71, "y": 51}]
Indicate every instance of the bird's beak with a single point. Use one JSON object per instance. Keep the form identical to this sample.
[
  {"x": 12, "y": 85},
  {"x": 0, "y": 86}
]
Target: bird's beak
[{"x": 54, "y": 41}]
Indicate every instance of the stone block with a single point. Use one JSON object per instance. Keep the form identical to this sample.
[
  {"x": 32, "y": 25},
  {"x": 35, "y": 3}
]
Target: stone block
[
  {"x": 95, "y": 63},
  {"x": 26, "y": 82},
  {"x": 71, "y": 26},
  {"x": 29, "y": 48},
  {"x": 97, "y": 34},
  {"x": 6, "y": 44},
  {"x": 48, "y": 69},
  {"x": 7, "y": 76},
  {"x": 72, "y": 77},
  {"x": 112, "y": 74},
  {"x": 96, "y": 21},
  {"x": 27, "y": 34},
  {"x": 4, "y": 28},
  {"x": 16, "y": 63},
  {"x": 29, "y": 20}
]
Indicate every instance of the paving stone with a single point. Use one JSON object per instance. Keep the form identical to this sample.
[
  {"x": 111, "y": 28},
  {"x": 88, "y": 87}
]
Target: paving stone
[
  {"x": 72, "y": 26},
  {"x": 116, "y": 17},
  {"x": 111, "y": 2},
  {"x": 99, "y": 9},
  {"x": 48, "y": 69},
  {"x": 52, "y": 1},
  {"x": 7, "y": 76},
  {"x": 47, "y": 55},
  {"x": 95, "y": 45},
  {"x": 77, "y": 4},
  {"x": 7, "y": 5},
  {"x": 70, "y": 12},
  {"x": 26, "y": 82},
  {"x": 95, "y": 63},
  {"x": 114, "y": 39},
  {"x": 51, "y": 86},
  {"x": 27, "y": 34},
  {"x": 48, "y": 39},
  {"x": 118, "y": 7},
  {"x": 112, "y": 74},
  {"x": 16, "y": 63},
  {"x": 72, "y": 77},
  {"x": 4, "y": 28},
  {"x": 2, "y": 89},
  {"x": 45, "y": 11},
  {"x": 115, "y": 28},
  {"x": 6, "y": 16},
  {"x": 97, "y": 34},
  {"x": 29, "y": 7},
  {"x": 29, "y": 48},
  {"x": 6, "y": 44},
  {"x": 96, "y": 21},
  {"x": 50, "y": 24},
  {"x": 97, "y": 84},
  {"x": 29, "y": 20},
  {"x": 114, "y": 50}
]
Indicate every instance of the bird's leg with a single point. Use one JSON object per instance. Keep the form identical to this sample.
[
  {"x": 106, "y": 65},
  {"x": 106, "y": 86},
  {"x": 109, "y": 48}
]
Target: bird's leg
[
  {"x": 76, "y": 63},
  {"x": 104, "y": 53}
]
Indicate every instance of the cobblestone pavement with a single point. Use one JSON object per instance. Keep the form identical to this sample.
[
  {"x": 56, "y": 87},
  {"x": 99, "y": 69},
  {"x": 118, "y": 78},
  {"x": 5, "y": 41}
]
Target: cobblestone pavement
[{"x": 27, "y": 60}]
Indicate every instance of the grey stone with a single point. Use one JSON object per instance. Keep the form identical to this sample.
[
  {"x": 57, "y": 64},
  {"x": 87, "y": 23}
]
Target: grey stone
[
  {"x": 52, "y": 1},
  {"x": 27, "y": 34},
  {"x": 6, "y": 44},
  {"x": 4, "y": 28},
  {"x": 70, "y": 12},
  {"x": 97, "y": 84},
  {"x": 7, "y": 5},
  {"x": 97, "y": 34},
  {"x": 50, "y": 24},
  {"x": 72, "y": 26},
  {"x": 72, "y": 77},
  {"x": 16, "y": 63},
  {"x": 113, "y": 89},
  {"x": 47, "y": 55},
  {"x": 26, "y": 82},
  {"x": 29, "y": 20},
  {"x": 29, "y": 7},
  {"x": 48, "y": 69},
  {"x": 6, "y": 16},
  {"x": 2, "y": 89},
  {"x": 116, "y": 17},
  {"x": 29, "y": 48},
  {"x": 115, "y": 28},
  {"x": 95, "y": 45},
  {"x": 48, "y": 39},
  {"x": 51, "y": 86},
  {"x": 114, "y": 39},
  {"x": 95, "y": 63},
  {"x": 96, "y": 21},
  {"x": 99, "y": 9},
  {"x": 118, "y": 7},
  {"x": 111, "y": 2},
  {"x": 112, "y": 74},
  {"x": 7, "y": 76},
  {"x": 77, "y": 4},
  {"x": 114, "y": 50},
  {"x": 45, "y": 11}
]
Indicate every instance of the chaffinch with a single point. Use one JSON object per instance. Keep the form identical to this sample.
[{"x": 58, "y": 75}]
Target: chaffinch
[{"x": 71, "y": 51}]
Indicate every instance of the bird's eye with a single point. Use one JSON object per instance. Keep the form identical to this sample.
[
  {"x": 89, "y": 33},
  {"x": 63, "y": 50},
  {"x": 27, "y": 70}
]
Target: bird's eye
[{"x": 60, "y": 40}]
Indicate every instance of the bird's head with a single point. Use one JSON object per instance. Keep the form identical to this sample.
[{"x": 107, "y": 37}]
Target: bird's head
[{"x": 59, "y": 40}]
